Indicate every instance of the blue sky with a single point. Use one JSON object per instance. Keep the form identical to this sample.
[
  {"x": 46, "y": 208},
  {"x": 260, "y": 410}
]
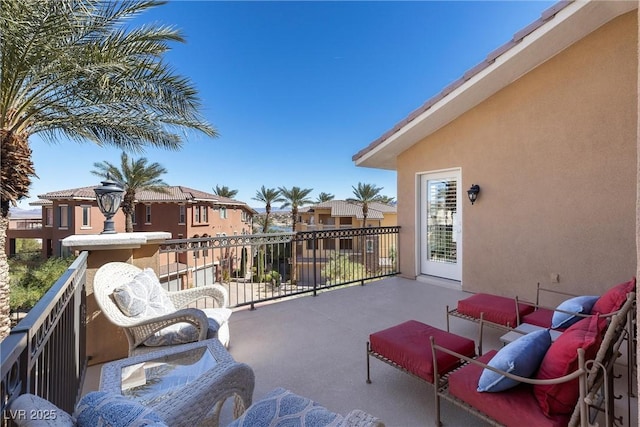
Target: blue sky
[{"x": 295, "y": 89}]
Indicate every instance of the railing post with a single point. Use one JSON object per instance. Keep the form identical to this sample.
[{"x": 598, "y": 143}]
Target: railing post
[{"x": 315, "y": 272}]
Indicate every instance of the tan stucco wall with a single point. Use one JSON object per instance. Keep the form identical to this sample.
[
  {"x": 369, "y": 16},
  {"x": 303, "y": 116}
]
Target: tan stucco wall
[{"x": 555, "y": 156}]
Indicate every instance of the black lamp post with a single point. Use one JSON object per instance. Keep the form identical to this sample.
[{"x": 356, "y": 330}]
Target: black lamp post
[
  {"x": 109, "y": 196},
  {"x": 473, "y": 193}
]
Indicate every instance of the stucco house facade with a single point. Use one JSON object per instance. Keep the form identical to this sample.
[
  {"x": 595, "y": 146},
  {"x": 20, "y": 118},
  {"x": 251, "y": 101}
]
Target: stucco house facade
[
  {"x": 184, "y": 212},
  {"x": 547, "y": 126}
]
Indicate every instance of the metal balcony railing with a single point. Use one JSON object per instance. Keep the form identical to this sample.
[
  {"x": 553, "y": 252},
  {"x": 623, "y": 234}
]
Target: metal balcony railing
[
  {"x": 263, "y": 267},
  {"x": 45, "y": 353}
]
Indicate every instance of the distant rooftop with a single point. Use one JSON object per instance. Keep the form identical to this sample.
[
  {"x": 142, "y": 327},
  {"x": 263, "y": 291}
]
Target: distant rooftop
[
  {"x": 344, "y": 208},
  {"x": 174, "y": 194}
]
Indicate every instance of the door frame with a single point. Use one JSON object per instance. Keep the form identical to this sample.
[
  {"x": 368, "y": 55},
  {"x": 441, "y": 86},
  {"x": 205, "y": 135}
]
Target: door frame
[{"x": 420, "y": 222}]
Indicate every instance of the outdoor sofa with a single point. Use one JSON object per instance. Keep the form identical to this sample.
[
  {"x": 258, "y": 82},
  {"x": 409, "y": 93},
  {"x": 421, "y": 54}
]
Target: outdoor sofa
[{"x": 565, "y": 385}]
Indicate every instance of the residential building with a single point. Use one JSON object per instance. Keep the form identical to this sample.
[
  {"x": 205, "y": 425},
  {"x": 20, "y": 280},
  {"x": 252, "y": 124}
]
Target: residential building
[
  {"x": 342, "y": 213},
  {"x": 547, "y": 126},
  {"x": 181, "y": 211},
  {"x": 334, "y": 222}
]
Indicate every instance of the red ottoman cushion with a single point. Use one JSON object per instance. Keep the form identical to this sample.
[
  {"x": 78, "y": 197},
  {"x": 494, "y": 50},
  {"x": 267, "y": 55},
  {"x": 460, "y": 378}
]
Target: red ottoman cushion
[
  {"x": 513, "y": 407},
  {"x": 540, "y": 317},
  {"x": 496, "y": 309},
  {"x": 408, "y": 345}
]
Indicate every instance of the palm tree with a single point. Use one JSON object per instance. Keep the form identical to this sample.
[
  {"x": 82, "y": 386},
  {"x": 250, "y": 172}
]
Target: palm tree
[
  {"x": 133, "y": 175},
  {"x": 294, "y": 199},
  {"x": 225, "y": 191},
  {"x": 365, "y": 194},
  {"x": 77, "y": 70},
  {"x": 386, "y": 200},
  {"x": 268, "y": 196},
  {"x": 262, "y": 223},
  {"x": 324, "y": 197}
]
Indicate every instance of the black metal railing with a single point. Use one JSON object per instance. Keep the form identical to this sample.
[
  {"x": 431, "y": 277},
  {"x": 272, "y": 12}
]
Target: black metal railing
[
  {"x": 45, "y": 353},
  {"x": 263, "y": 267}
]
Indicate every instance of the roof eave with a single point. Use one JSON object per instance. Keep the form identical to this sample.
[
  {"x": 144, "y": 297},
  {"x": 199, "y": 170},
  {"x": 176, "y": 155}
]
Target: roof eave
[{"x": 571, "y": 22}]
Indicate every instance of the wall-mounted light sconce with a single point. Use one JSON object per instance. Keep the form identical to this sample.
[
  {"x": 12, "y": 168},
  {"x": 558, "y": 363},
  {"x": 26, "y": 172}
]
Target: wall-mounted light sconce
[
  {"x": 109, "y": 196},
  {"x": 473, "y": 193}
]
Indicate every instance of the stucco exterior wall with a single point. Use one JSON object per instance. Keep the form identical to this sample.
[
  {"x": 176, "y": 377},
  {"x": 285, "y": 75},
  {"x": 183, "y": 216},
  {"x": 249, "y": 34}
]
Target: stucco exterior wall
[{"x": 555, "y": 156}]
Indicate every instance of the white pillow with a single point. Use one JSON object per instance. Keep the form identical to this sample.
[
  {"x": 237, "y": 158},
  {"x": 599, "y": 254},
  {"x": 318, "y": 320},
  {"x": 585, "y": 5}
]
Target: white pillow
[{"x": 143, "y": 297}]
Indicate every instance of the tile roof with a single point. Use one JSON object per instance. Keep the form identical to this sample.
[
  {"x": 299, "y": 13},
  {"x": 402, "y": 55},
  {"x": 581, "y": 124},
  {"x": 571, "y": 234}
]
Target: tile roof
[
  {"x": 345, "y": 208},
  {"x": 173, "y": 194}
]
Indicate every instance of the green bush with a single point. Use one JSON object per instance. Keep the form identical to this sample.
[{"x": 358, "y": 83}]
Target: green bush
[{"x": 31, "y": 279}]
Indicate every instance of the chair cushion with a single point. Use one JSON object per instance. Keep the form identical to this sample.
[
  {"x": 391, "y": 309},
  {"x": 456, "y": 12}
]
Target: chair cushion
[
  {"x": 514, "y": 407},
  {"x": 408, "y": 345},
  {"x": 180, "y": 333},
  {"x": 540, "y": 317},
  {"x": 496, "y": 309},
  {"x": 521, "y": 357},
  {"x": 99, "y": 408},
  {"x": 581, "y": 304},
  {"x": 282, "y": 408},
  {"x": 614, "y": 298},
  {"x": 562, "y": 359},
  {"x": 143, "y": 297}
]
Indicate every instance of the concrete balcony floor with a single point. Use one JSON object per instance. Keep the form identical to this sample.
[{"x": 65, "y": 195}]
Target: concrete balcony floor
[{"x": 316, "y": 347}]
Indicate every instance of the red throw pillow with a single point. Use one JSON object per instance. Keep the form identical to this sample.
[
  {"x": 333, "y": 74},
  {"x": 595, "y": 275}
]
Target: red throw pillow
[
  {"x": 562, "y": 359},
  {"x": 614, "y": 298}
]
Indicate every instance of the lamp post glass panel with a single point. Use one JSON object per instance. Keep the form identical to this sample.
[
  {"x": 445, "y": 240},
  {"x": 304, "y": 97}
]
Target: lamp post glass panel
[{"x": 109, "y": 196}]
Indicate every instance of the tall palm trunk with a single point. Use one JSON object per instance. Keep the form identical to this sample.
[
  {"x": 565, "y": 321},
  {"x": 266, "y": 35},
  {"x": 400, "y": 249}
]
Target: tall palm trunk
[
  {"x": 16, "y": 170},
  {"x": 5, "y": 322},
  {"x": 129, "y": 210},
  {"x": 365, "y": 213},
  {"x": 267, "y": 209}
]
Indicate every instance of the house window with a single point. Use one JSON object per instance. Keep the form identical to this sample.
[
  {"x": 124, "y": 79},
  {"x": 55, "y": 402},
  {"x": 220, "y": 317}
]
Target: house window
[
  {"x": 346, "y": 244},
  {"x": 48, "y": 217},
  {"x": 182, "y": 214},
  {"x": 196, "y": 215},
  {"x": 243, "y": 216},
  {"x": 223, "y": 212},
  {"x": 204, "y": 214},
  {"x": 311, "y": 243},
  {"x": 64, "y": 216},
  {"x": 329, "y": 244},
  {"x": 86, "y": 216},
  {"x": 369, "y": 246},
  {"x": 147, "y": 214}
]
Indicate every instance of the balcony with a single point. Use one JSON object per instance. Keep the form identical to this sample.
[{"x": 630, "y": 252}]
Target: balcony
[{"x": 315, "y": 346}]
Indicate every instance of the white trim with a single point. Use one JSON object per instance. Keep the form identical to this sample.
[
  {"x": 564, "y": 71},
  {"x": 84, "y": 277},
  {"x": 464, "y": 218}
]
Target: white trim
[{"x": 455, "y": 270}]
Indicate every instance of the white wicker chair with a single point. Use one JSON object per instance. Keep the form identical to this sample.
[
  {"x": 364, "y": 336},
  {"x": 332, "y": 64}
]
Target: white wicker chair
[
  {"x": 198, "y": 403},
  {"x": 113, "y": 274}
]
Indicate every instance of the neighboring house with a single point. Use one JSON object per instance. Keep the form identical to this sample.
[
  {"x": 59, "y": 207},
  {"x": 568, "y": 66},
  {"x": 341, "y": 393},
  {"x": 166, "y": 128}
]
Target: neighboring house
[
  {"x": 341, "y": 213},
  {"x": 376, "y": 252},
  {"x": 547, "y": 127},
  {"x": 181, "y": 211}
]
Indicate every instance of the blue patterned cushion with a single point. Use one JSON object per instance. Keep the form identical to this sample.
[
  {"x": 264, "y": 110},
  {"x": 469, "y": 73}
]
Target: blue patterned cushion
[
  {"x": 282, "y": 408},
  {"x": 521, "y": 357},
  {"x": 143, "y": 297},
  {"x": 180, "y": 333},
  {"x": 101, "y": 409}
]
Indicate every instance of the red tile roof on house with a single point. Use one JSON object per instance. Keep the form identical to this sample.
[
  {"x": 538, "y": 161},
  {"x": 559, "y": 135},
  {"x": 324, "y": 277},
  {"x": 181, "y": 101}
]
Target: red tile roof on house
[
  {"x": 344, "y": 208},
  {"x": 174, "y": 194}
]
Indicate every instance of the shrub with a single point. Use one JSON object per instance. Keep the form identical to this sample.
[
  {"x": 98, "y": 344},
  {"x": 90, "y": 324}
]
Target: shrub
[{"x": 32, "y": 279}]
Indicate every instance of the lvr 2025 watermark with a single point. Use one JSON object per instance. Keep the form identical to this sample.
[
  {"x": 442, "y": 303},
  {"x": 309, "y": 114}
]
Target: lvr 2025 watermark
[{"x": 30, "y": 414}]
